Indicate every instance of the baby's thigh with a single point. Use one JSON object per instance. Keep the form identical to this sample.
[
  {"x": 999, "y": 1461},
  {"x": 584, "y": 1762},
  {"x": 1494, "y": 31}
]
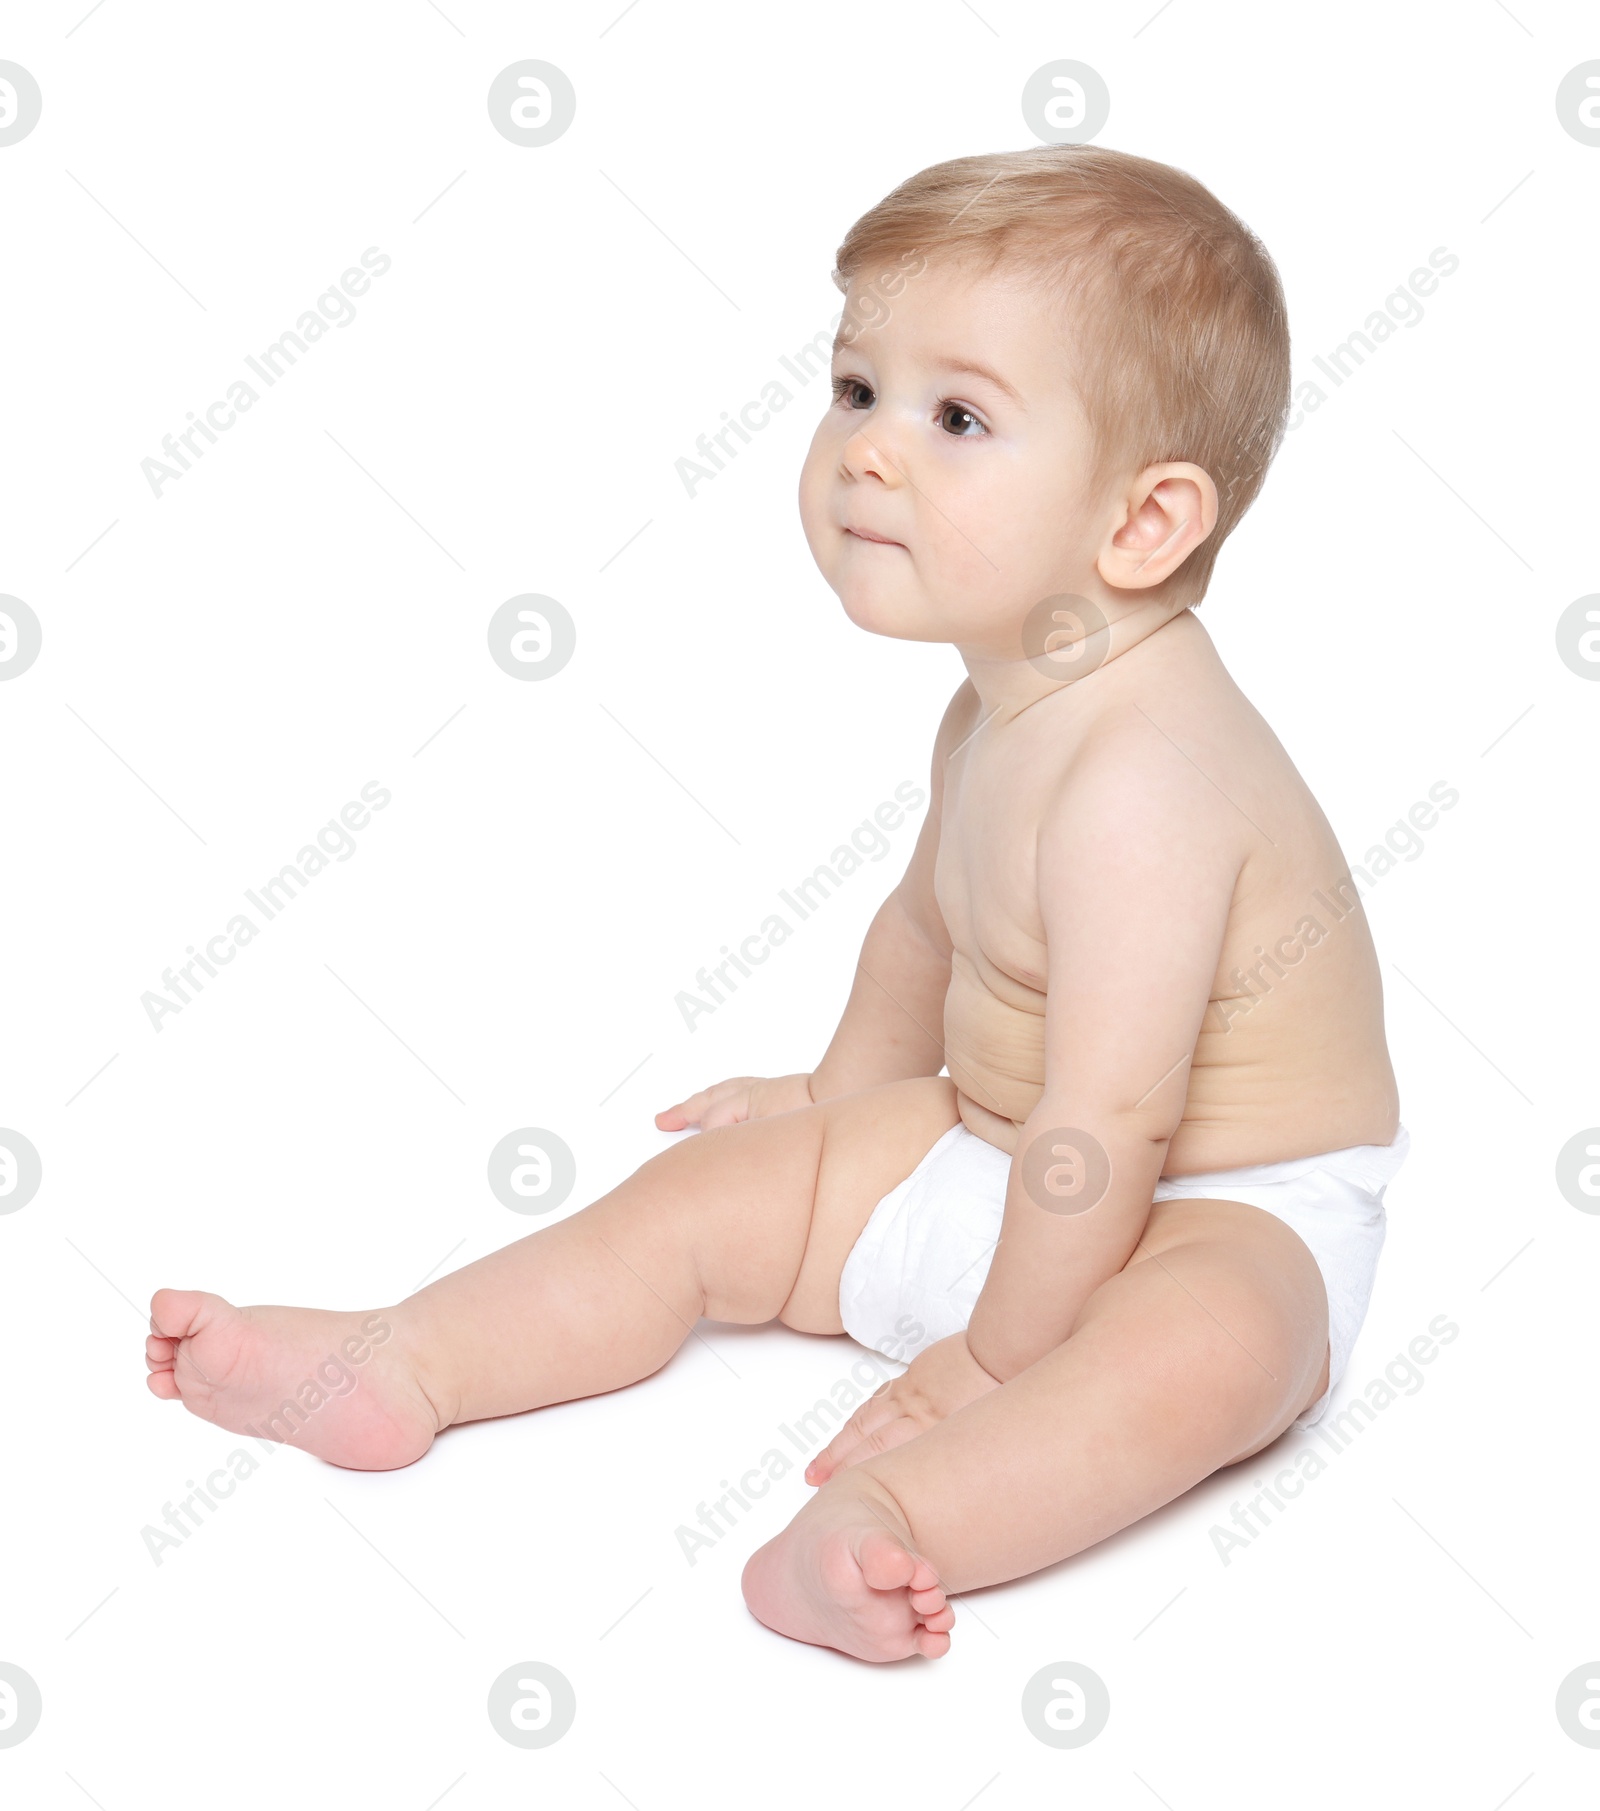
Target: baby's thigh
[
  {"x": 1254, "y": 1280},
  {"x": 872, "y": 1141}
]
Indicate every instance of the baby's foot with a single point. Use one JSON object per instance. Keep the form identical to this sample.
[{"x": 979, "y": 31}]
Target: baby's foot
[
  {"x": 337, "y": 1385},
  {"x": 844, "y": 1575}
]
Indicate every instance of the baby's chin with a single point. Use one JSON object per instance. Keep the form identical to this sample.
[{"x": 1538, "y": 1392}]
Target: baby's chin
[{"x": 883, "y": 609}]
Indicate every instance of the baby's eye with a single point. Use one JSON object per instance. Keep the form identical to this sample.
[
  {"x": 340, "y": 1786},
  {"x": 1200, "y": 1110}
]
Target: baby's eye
[
  {"x": 956, "y": 418},
  {"x": 853, "y": 393}
]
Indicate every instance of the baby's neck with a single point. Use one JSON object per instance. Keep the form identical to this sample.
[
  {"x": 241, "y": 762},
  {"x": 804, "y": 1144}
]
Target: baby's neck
[{"x": 1066, "y": 643}]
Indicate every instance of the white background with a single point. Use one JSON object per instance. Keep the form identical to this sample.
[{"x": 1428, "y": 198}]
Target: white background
[{"x": 228, "y": 664}]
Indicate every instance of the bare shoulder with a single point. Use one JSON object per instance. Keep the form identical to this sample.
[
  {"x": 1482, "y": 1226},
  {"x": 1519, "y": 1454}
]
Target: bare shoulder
[{"x": 1133, "y": 780}]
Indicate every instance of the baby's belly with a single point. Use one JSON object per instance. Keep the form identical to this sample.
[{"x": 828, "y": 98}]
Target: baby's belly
[
  {"x": 1262, "y": 1093},
  {"x": 994, "y": 1052}
]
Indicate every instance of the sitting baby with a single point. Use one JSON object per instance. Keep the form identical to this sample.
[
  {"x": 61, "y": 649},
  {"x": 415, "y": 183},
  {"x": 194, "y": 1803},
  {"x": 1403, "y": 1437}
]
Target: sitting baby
[{"x": 1130, "y": 1236}]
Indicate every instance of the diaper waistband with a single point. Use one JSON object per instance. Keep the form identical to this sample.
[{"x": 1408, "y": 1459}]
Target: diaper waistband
[{"x": 1371, "y": 1166}]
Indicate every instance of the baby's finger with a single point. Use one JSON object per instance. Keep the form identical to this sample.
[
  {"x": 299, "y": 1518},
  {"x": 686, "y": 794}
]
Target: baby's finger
[
  {"x": 685, "y": 1113},
  {"x": 881, "y": 1440},
  {"x": 691, "y": 1112},
  {"x": 852, "y": 1444},
  {"x": 848, "y": 1438},
  {"x": 726, "y": 1113}
]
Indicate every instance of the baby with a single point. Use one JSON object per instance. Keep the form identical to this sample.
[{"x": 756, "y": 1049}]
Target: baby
[{"x": 1130, "y": 1236}]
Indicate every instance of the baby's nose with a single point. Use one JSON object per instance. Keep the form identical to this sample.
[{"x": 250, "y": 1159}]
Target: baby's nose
[{"x": 866, "y": 456}]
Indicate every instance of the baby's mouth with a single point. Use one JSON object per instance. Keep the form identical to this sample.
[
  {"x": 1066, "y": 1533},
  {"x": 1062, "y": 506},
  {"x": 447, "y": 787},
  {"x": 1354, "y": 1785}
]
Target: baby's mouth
[{"x": 878, "y": 540}]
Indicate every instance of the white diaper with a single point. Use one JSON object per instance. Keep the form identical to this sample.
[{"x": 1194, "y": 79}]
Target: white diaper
[{"x": 915, "y": 1273}]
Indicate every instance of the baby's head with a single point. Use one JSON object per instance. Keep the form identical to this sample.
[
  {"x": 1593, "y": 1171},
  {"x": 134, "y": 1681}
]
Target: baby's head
[{"x": 1060, "y": 370}]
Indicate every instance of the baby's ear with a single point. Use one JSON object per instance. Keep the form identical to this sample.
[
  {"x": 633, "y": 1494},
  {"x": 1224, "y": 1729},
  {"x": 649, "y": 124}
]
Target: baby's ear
[{"x": 1170, "y": 509}]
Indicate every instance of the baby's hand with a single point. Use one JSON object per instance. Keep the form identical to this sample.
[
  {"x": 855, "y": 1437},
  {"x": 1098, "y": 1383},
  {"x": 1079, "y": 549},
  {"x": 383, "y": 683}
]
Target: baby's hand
[
  {"x": 943, "y": 1378},
  {"x": 744, "y": 1097}
]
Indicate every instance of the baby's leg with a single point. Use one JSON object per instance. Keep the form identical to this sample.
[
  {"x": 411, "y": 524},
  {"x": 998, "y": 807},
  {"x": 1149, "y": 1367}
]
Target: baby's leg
[
  {"x": 1199, "y": 1352},
  {"x": 742, "y": 1223}
]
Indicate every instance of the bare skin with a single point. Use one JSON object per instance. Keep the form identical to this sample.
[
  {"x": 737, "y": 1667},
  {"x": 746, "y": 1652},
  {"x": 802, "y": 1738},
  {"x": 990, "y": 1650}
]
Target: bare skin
[{"x": 1122, "y": 915}]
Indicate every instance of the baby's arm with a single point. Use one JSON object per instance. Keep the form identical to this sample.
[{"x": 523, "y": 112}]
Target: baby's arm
[{"x": 1136, "y": 871}]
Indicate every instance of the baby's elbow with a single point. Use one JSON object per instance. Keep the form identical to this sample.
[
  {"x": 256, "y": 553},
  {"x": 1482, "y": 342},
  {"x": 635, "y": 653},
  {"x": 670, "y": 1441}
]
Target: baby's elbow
[
  {"x": 1073, "y": 1155},
  {"x": 1116, "y": 1124}
]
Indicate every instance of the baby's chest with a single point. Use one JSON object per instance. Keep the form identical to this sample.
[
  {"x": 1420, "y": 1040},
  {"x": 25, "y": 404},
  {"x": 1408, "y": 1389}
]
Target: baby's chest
[{"x": 986, "y": 883}]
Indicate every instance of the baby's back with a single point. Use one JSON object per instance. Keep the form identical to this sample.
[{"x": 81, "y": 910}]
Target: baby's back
[{"x": 1290, "y": 1057}]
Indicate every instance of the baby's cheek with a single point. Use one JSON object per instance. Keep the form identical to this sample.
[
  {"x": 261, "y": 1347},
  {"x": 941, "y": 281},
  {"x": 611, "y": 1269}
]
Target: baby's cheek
[
  {"x": 1037, "y": 535},
  {"x": 814, "y": 498},
  {"x": 975, "y": 552}
]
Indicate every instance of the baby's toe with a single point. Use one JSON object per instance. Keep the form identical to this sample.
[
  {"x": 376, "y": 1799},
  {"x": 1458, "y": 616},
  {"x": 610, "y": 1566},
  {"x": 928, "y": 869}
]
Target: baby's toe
[
  {"x": 174, "y": 1313},
  {"x": 932, "y": 1643},
  {"x": 164, "y": 1385},
  {"x": 925, "y": 1578},
  {"x": 940, "y": 1620},
  {"x": 884, "y": 1563},
  {"x": 927, "y": 1602}
]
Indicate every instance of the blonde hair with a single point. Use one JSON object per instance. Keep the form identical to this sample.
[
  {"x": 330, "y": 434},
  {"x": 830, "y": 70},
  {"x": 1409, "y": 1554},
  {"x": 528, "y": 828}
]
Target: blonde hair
[{"x": 1188, "y": 358}]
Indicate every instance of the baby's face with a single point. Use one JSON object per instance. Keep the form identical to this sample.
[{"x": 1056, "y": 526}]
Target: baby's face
[{"x": 949, "y": 488}]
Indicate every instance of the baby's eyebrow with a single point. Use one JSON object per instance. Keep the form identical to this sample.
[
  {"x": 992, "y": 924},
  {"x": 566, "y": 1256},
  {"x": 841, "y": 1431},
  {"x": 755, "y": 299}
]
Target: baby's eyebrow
[
  {"x": 969, "y": 368},
  {"x": 961, "y": 367}
]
